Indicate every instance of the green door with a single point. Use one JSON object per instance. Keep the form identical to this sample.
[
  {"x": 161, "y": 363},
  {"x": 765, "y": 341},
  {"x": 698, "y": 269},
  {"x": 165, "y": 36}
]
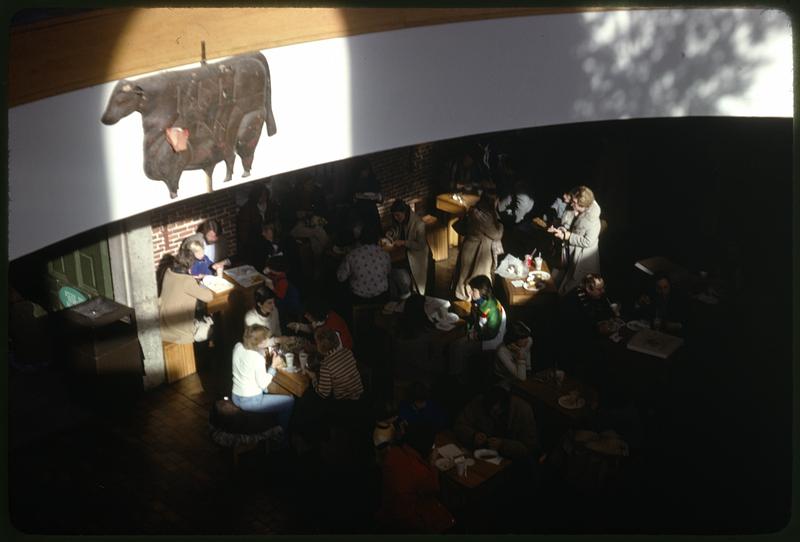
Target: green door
[{"x": 88, "y": 269}]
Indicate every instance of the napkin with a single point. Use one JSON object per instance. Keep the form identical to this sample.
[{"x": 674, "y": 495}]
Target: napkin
[
  {"x": 496, "y": 460},
  {"x": 518, "y": 283},
  {"x": 450, "y": 450}
]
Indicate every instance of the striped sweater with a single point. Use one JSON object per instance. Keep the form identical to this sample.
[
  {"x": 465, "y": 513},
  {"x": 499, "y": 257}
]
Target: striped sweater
[{"x": 338, "y": 374}]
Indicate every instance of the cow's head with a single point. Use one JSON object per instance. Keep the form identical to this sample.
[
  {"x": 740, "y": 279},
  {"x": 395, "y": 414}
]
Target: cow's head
[{"x": 126, "y": 98}]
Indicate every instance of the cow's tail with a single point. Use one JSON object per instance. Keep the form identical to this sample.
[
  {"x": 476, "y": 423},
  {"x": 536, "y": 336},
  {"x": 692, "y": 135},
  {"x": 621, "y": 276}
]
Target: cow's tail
[{"x": 271, "y": 127}]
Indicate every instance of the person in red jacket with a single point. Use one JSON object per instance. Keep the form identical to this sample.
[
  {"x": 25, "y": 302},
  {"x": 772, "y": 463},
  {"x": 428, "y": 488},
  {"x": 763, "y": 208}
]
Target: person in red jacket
[
  {"x": 318, "y": 314},
  {"x": 410, "y": 501}
]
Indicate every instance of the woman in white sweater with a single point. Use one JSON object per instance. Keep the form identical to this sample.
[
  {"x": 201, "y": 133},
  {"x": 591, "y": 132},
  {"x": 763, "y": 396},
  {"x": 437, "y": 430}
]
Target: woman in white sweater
[
  {"x": 265, "y": 313},
  {"x": 513, "y": 361},
  {"x": 251, "y": 378}
]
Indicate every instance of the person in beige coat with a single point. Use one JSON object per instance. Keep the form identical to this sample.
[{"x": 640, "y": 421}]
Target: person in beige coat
[
  {"x": 408, "y": 231},
  {"x": 482, "y": 233},
  {"x": 580, "y": 233},
  {"x": 179, "y": 295}
]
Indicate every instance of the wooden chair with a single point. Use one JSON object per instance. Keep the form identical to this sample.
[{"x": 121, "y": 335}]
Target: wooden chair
[{"x": 179, "y": 361}]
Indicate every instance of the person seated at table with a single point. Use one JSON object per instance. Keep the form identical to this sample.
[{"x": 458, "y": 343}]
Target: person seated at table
[
  {"x": 513, "y": 358},
  {"x": 408, "y": 231},
  {"x": 467, "y": 174},
  {"x": 487, "y": 319},
  {"x": 498, "y": 420},
  {"x": 419, "y": 407},
  {"x": 579, "y": 233},
  {"x": 583, "y": 316},
  {"x": 179, "y": 298},
  {"x": 664, "y": 308},
  {"x": 264, "y": 313},
  {"x": 211, "y": 235},
  {"x": 585, "y": 308},
  {"x": 515, "y": 207},
  {"x": 559, "y": 207},
  {"x": 410, "y": 486},
  {"x": 251, "y": 378},
  {"x": 366, "y": 269},
  {"x": 287, "y": 297},
  {"x": 481, "y": 245},
  {"x": 201, "y": 266},
  {"x": 338, "y": 376},
  {"x": 486, "y": 327},
  {"x": 266, "y": 247},
  {"x": 309, "y": 231},
  {"x": 319, "y": 314}
]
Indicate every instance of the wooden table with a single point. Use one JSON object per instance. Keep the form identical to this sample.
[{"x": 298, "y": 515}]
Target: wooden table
[
  {"x": 477, "y": 474},
  {"x": 229, "y": 308},
  {"x": 286, "y": 383},
  {"x": 517, "y": 295},
  {"x": 548, "y": 394},
  {"x": 446, "y": 203}
]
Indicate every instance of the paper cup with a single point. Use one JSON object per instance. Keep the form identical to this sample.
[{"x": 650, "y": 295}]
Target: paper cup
[
  {"x": 461, "y": 468},
  {"x": 537, "y": 261},
  {"x": 303, "y": 359},
  {"x": 289, "y": 360},
  {"x": 220, "y": 270}
]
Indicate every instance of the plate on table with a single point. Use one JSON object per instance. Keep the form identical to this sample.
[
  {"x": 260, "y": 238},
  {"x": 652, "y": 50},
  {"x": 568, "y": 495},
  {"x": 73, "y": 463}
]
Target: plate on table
[
  {"x": 294, "y": 369},
  {"x": 539, "y": 275},
  {"x": 638, "y": 325},
  {"x": 486, "y": 454},
  {"x": 570, "y": 403},
  {"x": 536, "y": 286}
]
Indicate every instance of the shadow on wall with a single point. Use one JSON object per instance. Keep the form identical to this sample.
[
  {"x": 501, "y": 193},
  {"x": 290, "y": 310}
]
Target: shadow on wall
[
  {"x": 599, "y": 65},
  {"x": 686, "y": 62}
]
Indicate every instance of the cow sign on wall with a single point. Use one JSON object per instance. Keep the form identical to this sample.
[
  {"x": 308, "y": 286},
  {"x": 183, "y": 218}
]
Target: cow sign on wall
[{"x": 194, "y": 119}]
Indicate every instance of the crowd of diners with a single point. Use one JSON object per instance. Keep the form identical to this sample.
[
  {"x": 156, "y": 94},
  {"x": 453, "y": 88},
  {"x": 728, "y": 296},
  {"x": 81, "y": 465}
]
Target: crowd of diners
[{"x": 323, "y": 263}]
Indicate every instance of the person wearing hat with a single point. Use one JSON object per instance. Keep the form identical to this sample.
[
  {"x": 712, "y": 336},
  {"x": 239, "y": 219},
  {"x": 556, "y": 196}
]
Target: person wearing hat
[
  {"x": 513, "y": 358},
  {"x": 408, "y": 231}
]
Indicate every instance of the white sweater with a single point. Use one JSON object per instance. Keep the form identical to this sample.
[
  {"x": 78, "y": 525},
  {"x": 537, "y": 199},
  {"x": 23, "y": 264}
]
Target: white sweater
[
  {"x": 271, "y": 322},
  {"x": 250, "y": 376},
  {"x": 513, "y": 360}
]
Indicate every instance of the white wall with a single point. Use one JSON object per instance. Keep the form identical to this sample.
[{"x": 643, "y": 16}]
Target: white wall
[{"x": 344, "y": 97}]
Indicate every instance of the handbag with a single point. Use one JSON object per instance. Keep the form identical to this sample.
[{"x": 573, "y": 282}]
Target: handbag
[{"x": 202, "y": 328}]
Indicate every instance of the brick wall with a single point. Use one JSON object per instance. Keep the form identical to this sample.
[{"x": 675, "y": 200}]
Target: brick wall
[
  {"x": 173, "y": 223},
  {"x": 407, "y": 173}
]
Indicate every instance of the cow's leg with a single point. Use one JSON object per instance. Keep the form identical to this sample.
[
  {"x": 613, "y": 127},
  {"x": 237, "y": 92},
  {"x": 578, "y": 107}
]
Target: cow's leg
[
  {"x": 248, "y": 136},
  {"x": 209, "y": 185}
]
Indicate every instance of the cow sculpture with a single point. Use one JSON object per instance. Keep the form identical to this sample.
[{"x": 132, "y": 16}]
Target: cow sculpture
[{"x": 194, "y": 119}]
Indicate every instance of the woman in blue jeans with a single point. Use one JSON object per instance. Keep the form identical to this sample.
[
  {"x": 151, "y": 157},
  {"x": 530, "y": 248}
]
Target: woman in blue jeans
[{"x": 251, "y": 378}]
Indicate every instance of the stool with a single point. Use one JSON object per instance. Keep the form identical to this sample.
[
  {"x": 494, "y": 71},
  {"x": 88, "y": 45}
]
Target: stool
[
  {"x": 241, "y": 431},
  {"x": 179, "y": 360}
]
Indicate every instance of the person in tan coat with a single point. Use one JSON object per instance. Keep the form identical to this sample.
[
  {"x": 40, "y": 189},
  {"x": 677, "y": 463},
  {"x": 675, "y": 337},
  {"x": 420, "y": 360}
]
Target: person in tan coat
[
  {"x": 179, "y": 295},
  {"x": 482, "y": 233},
  {"x": 408, "y": 231}
]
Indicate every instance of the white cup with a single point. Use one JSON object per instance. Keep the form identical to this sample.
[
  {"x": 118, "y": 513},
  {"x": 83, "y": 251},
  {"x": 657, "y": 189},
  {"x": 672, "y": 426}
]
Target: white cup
[
  {"x": 461, "y": 467},
  {"x": 615, "y": 309},
  {"x": 220, "y": 270},
  {"x": 289, "y": 360},
  {"x": 537, "y": 262},
  {"x": 303, "y": 359}
]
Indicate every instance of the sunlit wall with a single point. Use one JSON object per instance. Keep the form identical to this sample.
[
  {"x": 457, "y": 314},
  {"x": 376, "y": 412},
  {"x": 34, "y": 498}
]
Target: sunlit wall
[{"x": 343, "y": 97}]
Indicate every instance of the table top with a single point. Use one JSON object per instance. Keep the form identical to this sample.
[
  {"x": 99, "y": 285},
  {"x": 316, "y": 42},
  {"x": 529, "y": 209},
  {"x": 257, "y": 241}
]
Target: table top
[
  {"x": 518, "y": 295},
  {"x": 549, "y": 393},
  {"x": 445, "y": 202},
  {"x": 477, "y": 474}
]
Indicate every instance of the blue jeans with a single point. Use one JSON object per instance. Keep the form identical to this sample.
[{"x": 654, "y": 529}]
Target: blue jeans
[{"x": 268, "y": 403}]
